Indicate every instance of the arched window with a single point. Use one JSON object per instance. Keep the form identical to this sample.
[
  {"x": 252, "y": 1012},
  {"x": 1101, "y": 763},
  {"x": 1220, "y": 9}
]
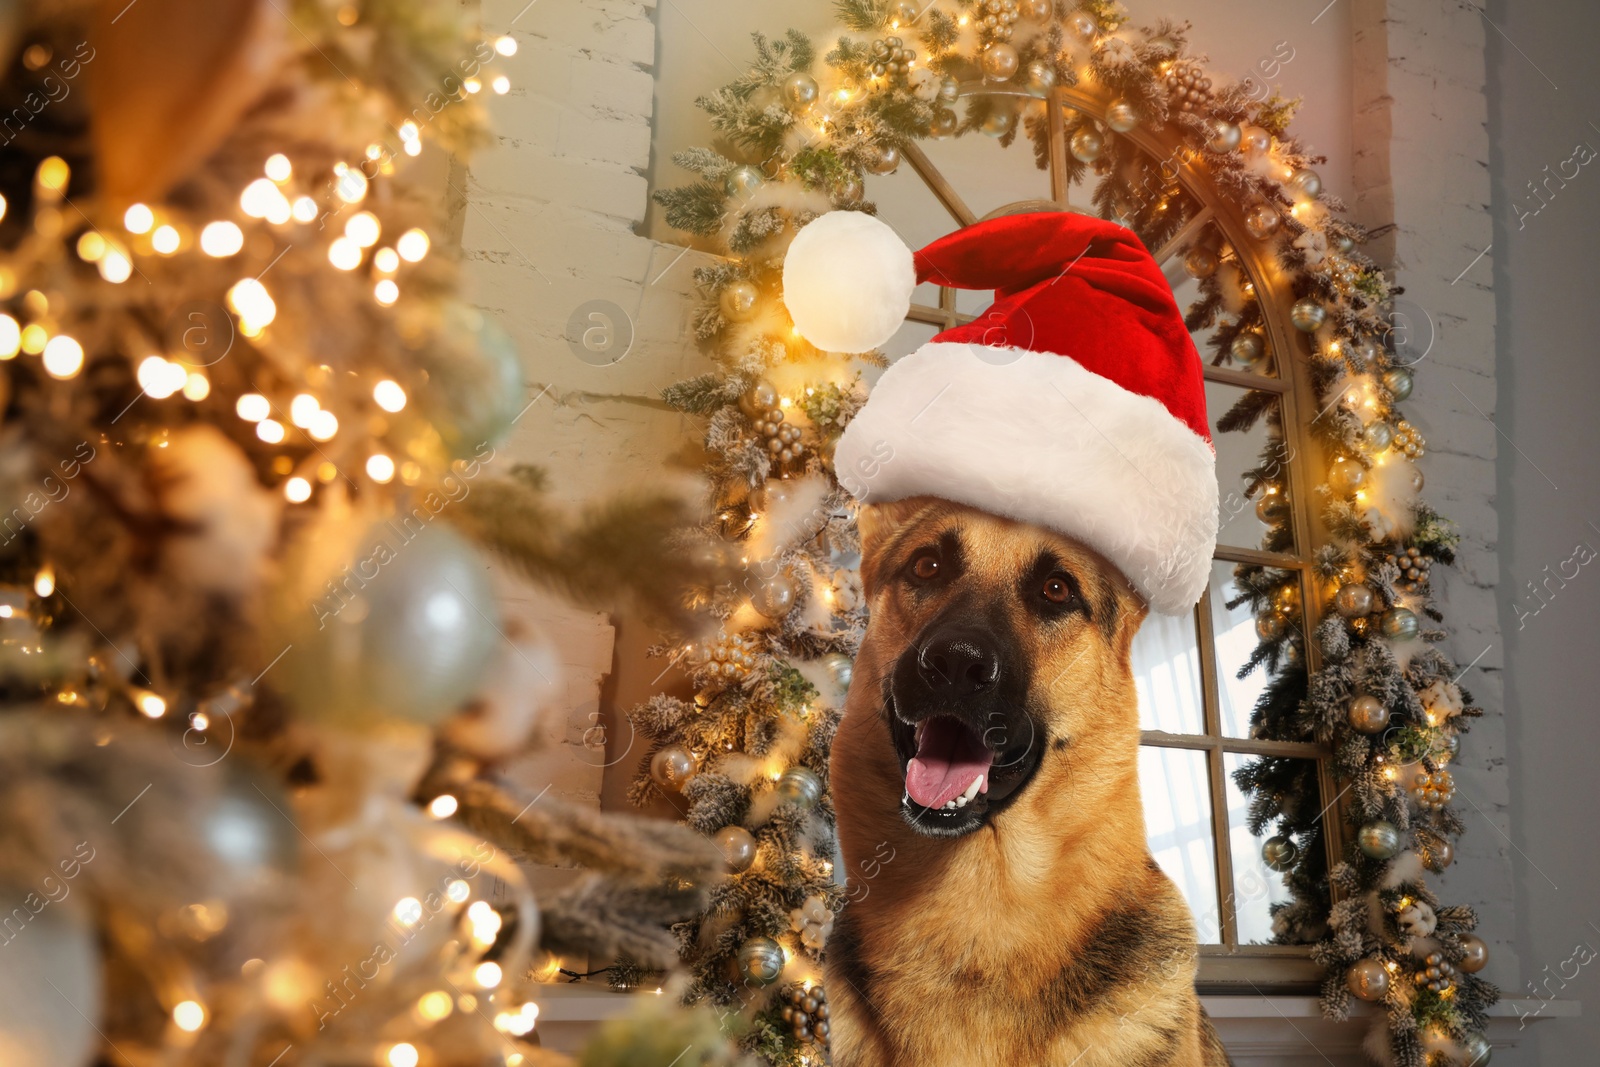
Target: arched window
[{"x": 1195, "y": 707}]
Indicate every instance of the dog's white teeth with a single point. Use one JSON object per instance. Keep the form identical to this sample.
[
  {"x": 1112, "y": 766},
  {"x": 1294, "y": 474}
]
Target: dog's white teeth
[
  {"x": 949, "y": 805},
  {"x": 961, "y": 802},
  {"x": 972, "y": 790}
]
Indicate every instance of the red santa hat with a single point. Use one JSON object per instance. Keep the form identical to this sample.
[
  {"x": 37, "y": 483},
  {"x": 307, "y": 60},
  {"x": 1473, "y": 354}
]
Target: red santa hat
[{"x": 1075, "y": 402}]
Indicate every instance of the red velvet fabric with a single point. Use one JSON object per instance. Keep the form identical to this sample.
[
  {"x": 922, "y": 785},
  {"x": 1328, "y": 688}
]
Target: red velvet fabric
[{"x": 1075, "y": 286}]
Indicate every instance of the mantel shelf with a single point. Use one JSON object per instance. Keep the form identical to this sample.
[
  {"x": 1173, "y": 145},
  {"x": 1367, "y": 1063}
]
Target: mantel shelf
[{"x": 1282, "y": 1031}]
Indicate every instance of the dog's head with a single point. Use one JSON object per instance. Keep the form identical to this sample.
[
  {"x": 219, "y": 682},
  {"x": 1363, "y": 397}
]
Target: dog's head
[{"x": 995, "y": 648}]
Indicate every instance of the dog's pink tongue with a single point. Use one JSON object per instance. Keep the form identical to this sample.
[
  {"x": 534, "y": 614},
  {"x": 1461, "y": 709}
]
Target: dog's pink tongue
[{"x": 949, "y": 756}]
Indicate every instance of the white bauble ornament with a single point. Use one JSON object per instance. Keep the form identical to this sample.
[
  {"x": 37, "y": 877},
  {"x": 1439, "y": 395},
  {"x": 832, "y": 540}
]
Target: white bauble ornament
[
  {"x": 49, "y": 985},
  {"x": 203, "y": 482},
  {"x": 847, "y": 282},
  {"x": 521, "y": 684}
]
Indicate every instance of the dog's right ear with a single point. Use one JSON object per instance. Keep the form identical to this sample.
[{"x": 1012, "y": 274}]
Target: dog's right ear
[{"x": 878, "y": 524}]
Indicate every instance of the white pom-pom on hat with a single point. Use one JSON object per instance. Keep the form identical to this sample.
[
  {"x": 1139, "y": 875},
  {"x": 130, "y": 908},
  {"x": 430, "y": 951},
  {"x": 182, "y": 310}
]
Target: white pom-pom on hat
[{"x": 847, "y": 281}]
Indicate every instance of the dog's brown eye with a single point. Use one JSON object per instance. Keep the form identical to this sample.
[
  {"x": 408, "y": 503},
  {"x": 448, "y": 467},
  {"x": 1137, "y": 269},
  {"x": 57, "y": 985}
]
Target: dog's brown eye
[
  {"x": 1056, "y": 590},
  {"x": 925, "y": 566}
]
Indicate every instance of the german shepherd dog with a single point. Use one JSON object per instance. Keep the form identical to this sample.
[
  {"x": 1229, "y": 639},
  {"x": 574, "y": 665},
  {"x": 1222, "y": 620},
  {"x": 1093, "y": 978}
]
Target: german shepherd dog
[{"x": 986, "y": 775}]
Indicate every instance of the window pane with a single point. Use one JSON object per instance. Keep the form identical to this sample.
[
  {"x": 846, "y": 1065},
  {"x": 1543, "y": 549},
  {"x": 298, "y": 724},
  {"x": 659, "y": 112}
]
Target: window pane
[
  {"x": 1177, "y": 818},
  {"x": 1166, "y": 673},
  {"x": 1256, "y": 887},
  {"x": 1235, "y": 635},
  {"x": 1242, "y": 450}
]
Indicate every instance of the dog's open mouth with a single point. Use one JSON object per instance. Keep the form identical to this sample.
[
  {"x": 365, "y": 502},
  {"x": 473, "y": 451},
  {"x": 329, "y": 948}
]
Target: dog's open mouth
[
  {"x": 951, "y": 767},
  {"x": 957, "y": 777}
]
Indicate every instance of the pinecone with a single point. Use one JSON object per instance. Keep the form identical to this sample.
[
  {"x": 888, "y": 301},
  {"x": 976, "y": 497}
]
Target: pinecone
[{"x": 1188, "y": 85}]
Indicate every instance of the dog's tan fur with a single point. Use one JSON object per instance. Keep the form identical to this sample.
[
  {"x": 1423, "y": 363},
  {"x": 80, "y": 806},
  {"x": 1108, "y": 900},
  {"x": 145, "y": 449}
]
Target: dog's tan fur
[{"x": 1048, "y": 936}]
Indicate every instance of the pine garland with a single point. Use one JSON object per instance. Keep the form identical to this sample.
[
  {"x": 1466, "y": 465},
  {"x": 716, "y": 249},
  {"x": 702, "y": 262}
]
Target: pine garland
[{"x": 804, "y": 136}]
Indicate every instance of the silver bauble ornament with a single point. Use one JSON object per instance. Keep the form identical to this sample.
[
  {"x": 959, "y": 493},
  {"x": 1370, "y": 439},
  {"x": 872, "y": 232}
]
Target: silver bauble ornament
[
  {"x": 1086, "y": 144},
  {"x": 1279, "y": 853},
  {"x": 671, "y": 767},
  {"x": 1398, "y": 381},
  {"x": 944, "y": 123},
  {"x": 840, "y": 668},
  {"x": 1377, "y": 437},
  {"x": 1200, "y": 262},
  {"x": 1000, "y": 120},
  {"x": 848, "y": 191},
  {"x": 760, "y": 398},
  {"x": 1367, "y": 351},
  {"x": 738, "y": 301},
  {"x": 1248, "y": 348},
  {"x": 1416, "y": 478},
  {"x": 799, "y": 91},
  {"x": 1400, "y": 624},
  {"x": 1367, "y": 980},
  {"x": 742, "y": 181},
  {"x": 903, "y": 13},
  {"x": 1353, "y": 600},
  {"x": 1224, "y": 137},
  {"x": 1081, "y": 27},
  {"x": 1307, "y": 315},
  {"x": 884, "y": 160},
  {"x": 1475, "y": 1051},
  {"x": 1041, "y": 77},
  {"x": 800, "y": 785},
  {"x": 761, "y": 960},
  {"x": 1262, "y": 220},
  {"x": 406, "y": 630},
  {"x": 1379, "y": 840},
  {"x": 1122, "y": 116},
  {"x": 1305, "y": 184},
  {"x": 1476, "y": 954},
  {"x": 738, "y": 847},
  {"x": 1253, "y": 140},
  {"x": 475, "y": 387},
  {"x": 774, "y": 596},
  {"x": 949, "y": 90},
  {"x": 50, "y": 985},
  {"x": 999, "y": 62},
  {"x": 1367, "y": 713},
  {"x": 1347, "y": 475}
]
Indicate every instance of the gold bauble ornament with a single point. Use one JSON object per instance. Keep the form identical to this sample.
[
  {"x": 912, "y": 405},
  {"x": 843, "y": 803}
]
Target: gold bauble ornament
[
  {"x": 1476, "y": 954},
  {"x": 1400, "y": 624},
  {"x": 1200, "y": 262},
  {"x": 1271, "y": 626},
  {"x": 1307, "y": 315},
  {"x": 1347, "y": 475},
  {"x": 800, "y": 91},
  {"x": 1279, "y": 853},
  {"x": 1081, "y": 27},
  {"x": 1086, "y": 144},
  {"x": 1367, "y": 713},
  {"x": 1254, "y": 141},
  {"x": 1041, "y": 77},
  {"x": 1354, "y": 600},
  {"x": 1262, "y": 220},
  {"x": 999, "y": 62},
  {"x": 1122, "y": 116},
  {"x": 1224, "y": 137},
  {"x": 884, "y": 160},
  {"x": 1248, "y": 348},
  {"x": 761, "y": 960},
  {"x": 1305, "y": 184},
  {"x": 774, "y": 597},
  {"x": 1379, "y": 840},
  {"x": 738, "y": 847},
  {"x": 1367, "y": 980},
  {"x": 1037, "y": 10},
  {"x": 944, "y": 124},
  {"x": 672, "y": 767},
  {"x": 1000, "y": 121},
  {"x": 1440, "y": 855},
  {"x": 738, "y": 301},
  {"x": 903, "y": 13}
]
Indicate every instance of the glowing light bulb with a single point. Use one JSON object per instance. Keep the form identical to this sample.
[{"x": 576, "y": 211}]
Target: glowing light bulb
[
  {"x": 150, "y": 705},
  {"x": 91, "y": 246},
  {"x": 159, "y": 378},
  {"x": 63, "y": 357},
  {"x": 443, "y": 806},
  {"x": 138, "y": 219},
  {"x": 53, "y": 174},
  {"x": 165, "y": 240},
  {"x": 472, "y": 85},
  {"x": 363, "y": 228},
  {"x": 258, "y": 198},
  {"x": 10, "y": 337},
  {"x": 221, "y": 239},
  {"x": 349, "y": 183},
  {"x": 501, "y": 84},
  {"x": 250, "y": 300},
  {"x": 386, "y": 260},
  {"x": 344, "y": 253},
  {"x": 115, "y": 266},
  {"x": 506, "y": 46},
  {"x": 278, "y": 167},
  {"x": 189, "y": 1016},
  {"x": 487, "y": 975},
  {"x": 304, "y": 209},
  {"x": 34, "y": 338},
  {"x": 412, "y": 246},
  {"x": 389, "y": 396},
  {"x": 302, "y": 409},
  {"x": 196, "y": 386},
  {"x": 44, "y": 583},
  {"x": 403, "y": 1055},
  {"x": 386, "y": 292},
  {"x": 435, "y": 1006},
  {"x": 270, "y": 430},
  {"x": 252, "y": 407},
  {"x": 457, "y": 891},
  {"x": 408, "y": 911},
  {"x": 324, "y": 424},
  {"x": 297, "y": 489},
  {"x": 380, "y": 468}
]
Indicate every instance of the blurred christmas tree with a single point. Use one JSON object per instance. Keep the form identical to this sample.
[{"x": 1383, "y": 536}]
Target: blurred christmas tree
[{"x": 248, "y": 426}]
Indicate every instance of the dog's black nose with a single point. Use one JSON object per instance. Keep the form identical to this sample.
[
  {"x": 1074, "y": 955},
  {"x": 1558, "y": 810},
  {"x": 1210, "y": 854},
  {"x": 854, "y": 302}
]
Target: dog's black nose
[{"x": 958, "y": 663}]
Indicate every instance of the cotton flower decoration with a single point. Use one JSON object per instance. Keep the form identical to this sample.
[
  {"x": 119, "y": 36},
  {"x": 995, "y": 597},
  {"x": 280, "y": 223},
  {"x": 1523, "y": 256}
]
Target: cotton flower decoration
[
  {"x": 1417, "y": 920},
  {"x": 814, "y": 922},
  {"x": 1314, "y": 245}
]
